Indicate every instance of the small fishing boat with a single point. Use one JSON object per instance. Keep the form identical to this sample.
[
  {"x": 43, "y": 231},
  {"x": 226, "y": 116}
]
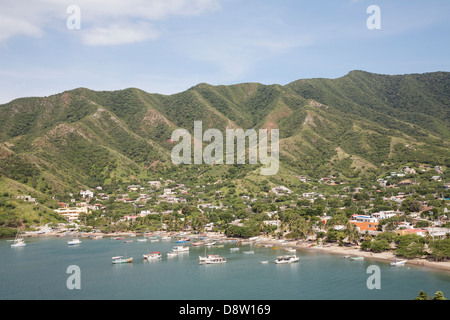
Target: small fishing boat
[
  {"x": 249, "y": 252},
  {"x": 120, "y": 259},
  {"x": 18, "y": 241},
  {"x": 212, "y": 259},
  {"x": 264, "y": 262},
  {"x": 234, "y": 249},
  {"x": 128, "y": 241},
  {"x": 292, "y": 250},
  {"x": 179, "y": 249},
  {"x": 398, "y": 262},
  {"x": 210, "y": 244},
  {"x": 275, "y": 248},
  {"x": 197, "y": 243},
  {"x": 97, "y": 237},
  {"x": 74, "y": 242},
  {"x": 286, "y": 259},
  {"x": 356, "y": 258},
  {"x": 171, "y": 254},
  {"x": 120, "y": 238},
  {"x": 142, "y": 240},
  {"x": 153, "y": 255}
]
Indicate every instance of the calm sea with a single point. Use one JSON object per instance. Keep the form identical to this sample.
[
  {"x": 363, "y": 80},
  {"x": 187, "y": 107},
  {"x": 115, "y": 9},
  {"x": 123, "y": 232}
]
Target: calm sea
[{"x": 39, "y": 271}]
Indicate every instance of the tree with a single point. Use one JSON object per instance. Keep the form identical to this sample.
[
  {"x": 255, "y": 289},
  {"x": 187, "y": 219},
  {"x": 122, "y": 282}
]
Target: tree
[
  {"x": 352, "y": 233},
  {"x": 437, "y": 296}
]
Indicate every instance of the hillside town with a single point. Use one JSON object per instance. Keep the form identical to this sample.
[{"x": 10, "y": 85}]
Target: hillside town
[{"x": 315, "y": 212}]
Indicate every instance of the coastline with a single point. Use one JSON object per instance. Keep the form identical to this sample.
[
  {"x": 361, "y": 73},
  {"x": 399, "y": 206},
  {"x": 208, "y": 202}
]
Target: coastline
[
  {"x": 335, "y": 249},
  {"x": 355, "y": 251}
]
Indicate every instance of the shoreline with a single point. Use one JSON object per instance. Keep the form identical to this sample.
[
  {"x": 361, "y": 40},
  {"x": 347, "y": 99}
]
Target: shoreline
[{"x": 335, "y": 249}]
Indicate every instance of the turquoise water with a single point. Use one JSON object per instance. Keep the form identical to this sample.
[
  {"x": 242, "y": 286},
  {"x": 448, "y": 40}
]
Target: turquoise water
[{"x": 39, "y": 271}]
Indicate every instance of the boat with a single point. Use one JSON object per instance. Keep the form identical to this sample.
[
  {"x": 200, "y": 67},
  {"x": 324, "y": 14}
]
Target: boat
[
  {"x": 74, "y": 242},
  {"x": 171, "y": 254},
  {"x": 97, "y": 237},
  {"x": 181, "y": 241},
  {"x": 212, "y": 259},
  {"x": 286, "y": 259},
  {"x": 120, "y": 259},
  {"x": 120, "y": 238},
  {"x": 179, "y": 249},
  {"x": 275, "y": 248},
  {"x": 356, "y": 258},
  {"x": 210, "y": 244},
  {"x": 249, "y": 252},
  {"x": 197, "y": 244},
  {"x": 18, "y": 241},
  {"x": 142, "y": 240},
  {"x": 220, "y": 246},
  {"x": 234, "y": 249},
  {"x": 398, "y": 262},
  {"x": 153, "y": 255},
  {"x": 128, "y": 241},
  {"x": 291, "y": 250},
  {"x": 264, "y": 262}
]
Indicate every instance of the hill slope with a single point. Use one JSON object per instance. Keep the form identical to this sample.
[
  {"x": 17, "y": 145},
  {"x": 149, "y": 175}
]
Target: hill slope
[{"x": 349, "y": 127}]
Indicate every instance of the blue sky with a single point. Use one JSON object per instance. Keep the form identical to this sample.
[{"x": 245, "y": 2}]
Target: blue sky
[{"x": 168, "y": 46}]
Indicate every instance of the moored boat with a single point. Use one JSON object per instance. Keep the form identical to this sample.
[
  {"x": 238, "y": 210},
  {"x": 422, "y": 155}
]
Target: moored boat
[
  {"x": 286, "y": 259},
  {"x": 153, "y": 255},
  {"x": 212, "y": 259},
  {"x": 179, "y": 249},
  {"x": 74, "y": 242},
  {"x": 356, "y": 258},
  {"x": 398, "y": 262},
  {"x": 18, "y": 241},
  {"x": 120, "y": 259}
]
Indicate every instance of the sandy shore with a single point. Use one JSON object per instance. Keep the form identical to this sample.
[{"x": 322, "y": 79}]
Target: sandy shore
[{"x": 357, "y": 252}]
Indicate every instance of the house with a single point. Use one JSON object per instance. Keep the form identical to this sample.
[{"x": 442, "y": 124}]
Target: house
[
  {"x": 364, "y": 223},
  {"x": 419, "y": 232},
  {"x": 134, "y": 188},
  {"x": 72, "y": 213},
  {"x": 281, "y": 190},
  {"x": 384, "y": 215},
  {"x": 405, "y": 182},
  {"x": 86, "y": 193}
]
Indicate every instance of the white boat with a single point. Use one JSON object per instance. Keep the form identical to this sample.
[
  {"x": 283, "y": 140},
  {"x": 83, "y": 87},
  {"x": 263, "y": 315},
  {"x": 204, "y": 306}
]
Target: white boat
[
  {"x": 398, "y": 262},
  {"x": 153, "y": 255},
  {"x": 18, "y": 241},
  {"x": 356, "y": 258},
  {"x": 171, "y": 254},
  {"x": 212, "y": 259},
  {"x": 209, "y": 244},
  {"x": 74, "y": 242},
  {"x": 179, "y": 249},
  {"x": 142, "y": 240},
  {"x": 249, "y": 252},
  {"x": 264, "y": 262},
  {"x": 291, "y": 250},
  {"x": 286, "y": 259},
  {"x": 234, "y": 249},
  {"x": 97, "y": 237}
]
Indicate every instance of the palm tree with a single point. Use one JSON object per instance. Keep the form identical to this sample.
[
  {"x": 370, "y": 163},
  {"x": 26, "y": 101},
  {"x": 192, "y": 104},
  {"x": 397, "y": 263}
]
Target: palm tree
[{"x": 352, "y": 233}]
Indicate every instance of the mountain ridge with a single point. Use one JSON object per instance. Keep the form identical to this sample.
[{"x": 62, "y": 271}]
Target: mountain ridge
[{"x": 349, "y": 127}]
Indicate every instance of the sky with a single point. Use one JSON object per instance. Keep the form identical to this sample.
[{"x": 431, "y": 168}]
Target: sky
[{"x": 168, "y": 46}]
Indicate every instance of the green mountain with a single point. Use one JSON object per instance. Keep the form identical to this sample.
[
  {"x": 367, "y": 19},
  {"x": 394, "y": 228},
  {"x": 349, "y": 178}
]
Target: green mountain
[{"x": 354, "y": 127}]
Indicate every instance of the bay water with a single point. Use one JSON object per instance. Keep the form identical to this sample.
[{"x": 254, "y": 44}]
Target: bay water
[{"x": 39, "y": 271}]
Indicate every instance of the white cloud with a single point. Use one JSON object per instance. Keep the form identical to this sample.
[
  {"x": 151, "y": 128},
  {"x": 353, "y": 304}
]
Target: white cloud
[
  {"x": 10, "y": 26},
  {"x": 103, "y": 22},
  {"x": 119, "y": 34}
]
